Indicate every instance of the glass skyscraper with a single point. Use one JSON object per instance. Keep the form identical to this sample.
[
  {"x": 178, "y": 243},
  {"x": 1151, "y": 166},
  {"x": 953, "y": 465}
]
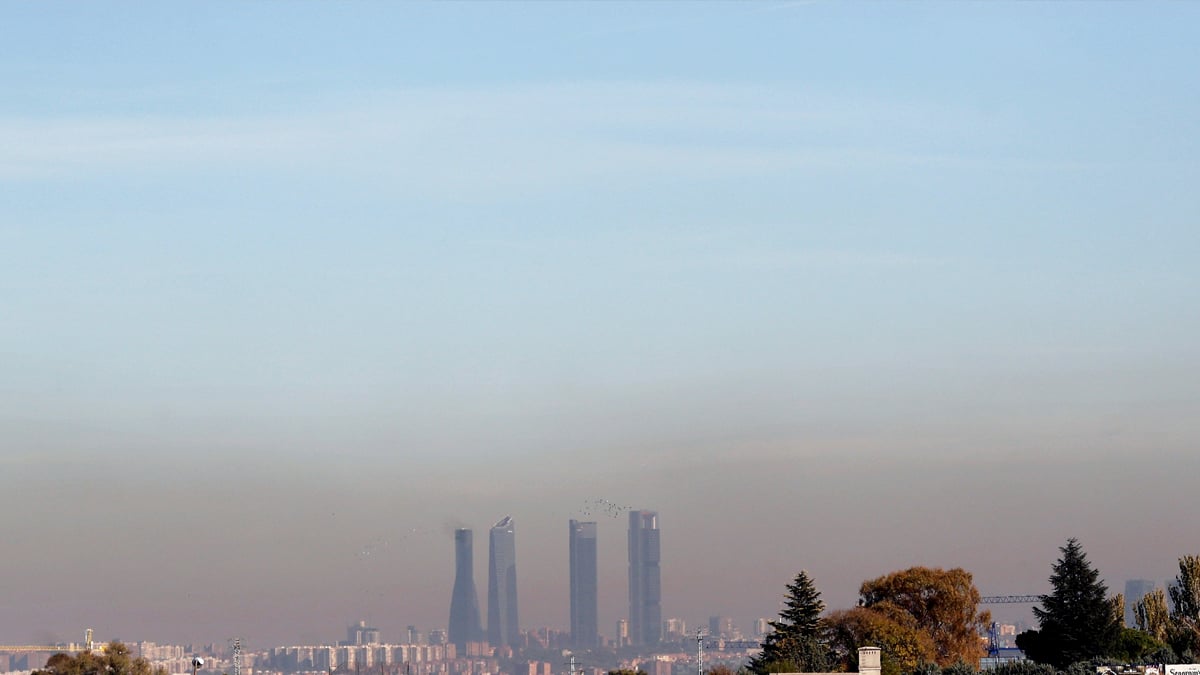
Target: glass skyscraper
[
  {"x": 585, "y": 631},
  {"x": 464, "y": 602},
  {"x": 645, "y": 581},
  {"x": 502, "y": 585}
]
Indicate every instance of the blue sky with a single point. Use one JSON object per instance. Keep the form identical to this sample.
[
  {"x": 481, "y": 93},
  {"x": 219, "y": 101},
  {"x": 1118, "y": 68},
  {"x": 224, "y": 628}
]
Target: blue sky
[{"x": 460, "y": 250}]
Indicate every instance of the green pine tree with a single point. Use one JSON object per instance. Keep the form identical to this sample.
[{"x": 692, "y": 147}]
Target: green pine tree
[
  {"x": 1075, "y": 620},
  {"x": 794, "y": 645}
]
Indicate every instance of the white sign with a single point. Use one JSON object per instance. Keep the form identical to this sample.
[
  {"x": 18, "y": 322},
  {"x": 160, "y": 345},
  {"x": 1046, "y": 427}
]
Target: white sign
[{"x": 1182, "y": 669}]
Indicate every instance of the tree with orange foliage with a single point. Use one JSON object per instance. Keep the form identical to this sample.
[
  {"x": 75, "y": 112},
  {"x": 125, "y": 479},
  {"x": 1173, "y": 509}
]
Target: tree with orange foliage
[
  {"x": 904, "y": 645},
  {"x": 942, "y": 603}
]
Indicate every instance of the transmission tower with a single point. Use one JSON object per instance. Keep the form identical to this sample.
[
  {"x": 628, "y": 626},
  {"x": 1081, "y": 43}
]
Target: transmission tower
[{"x": 237, "y": 656}]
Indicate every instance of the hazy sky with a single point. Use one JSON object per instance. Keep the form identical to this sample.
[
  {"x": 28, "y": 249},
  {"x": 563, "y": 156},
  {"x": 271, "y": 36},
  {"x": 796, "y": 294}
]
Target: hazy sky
[{"x": 288, "y": 291}]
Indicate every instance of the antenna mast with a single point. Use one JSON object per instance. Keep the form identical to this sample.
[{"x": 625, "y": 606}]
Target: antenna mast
[
  {"x": 699, "y": 652},
  {"x": 237, "y": 656}
]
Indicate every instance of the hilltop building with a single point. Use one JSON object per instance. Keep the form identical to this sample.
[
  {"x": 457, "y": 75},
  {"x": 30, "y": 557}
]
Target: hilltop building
[{"x": 870, "y": 662}]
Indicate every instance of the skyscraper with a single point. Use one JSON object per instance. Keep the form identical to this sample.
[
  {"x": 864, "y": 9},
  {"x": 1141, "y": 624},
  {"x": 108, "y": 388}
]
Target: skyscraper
[
  {"x": 502, "y": 585},
  {"x": 464, "y": 603},
  {"x": 585, "y": 630},
  {"x": 1135, "y": 590},
  {"x": 722, "y": 627},
  {"x": 362, "y": 634},
  {"x": 645, "y": 584}
]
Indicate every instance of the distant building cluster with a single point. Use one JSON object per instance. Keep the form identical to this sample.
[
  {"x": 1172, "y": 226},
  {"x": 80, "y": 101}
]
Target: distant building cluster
[
  {"x": 466, "y": 646},
  {"x": 644, "y": 627},
  {"x": 643, "y": 640}
]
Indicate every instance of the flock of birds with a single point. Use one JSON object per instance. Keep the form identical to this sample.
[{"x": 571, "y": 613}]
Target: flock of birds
[
  {"x": 604, "y": 507},
  {"x": 377, "y": 546}
]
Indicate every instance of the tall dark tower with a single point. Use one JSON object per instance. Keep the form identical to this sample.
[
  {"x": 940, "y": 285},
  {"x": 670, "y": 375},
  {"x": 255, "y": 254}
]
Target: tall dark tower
[
  {"x": 464, "y": 603},
  {"x": 1135, "y": 590},
  {"x": 645, "y": 581},
  {"x": 502, "y": 585},
  {"x": 585, "y": 630}
]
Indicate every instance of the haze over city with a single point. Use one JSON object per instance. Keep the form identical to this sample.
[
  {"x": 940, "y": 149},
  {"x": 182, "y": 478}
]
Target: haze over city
[{"x": 291, "y": 291}]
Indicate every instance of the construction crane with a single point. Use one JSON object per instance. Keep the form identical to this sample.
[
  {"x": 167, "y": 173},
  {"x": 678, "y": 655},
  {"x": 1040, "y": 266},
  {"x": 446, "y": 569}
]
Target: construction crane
[
  {"x": 87, "y": 646},
  {"x": 1009, "y": 599},
  {"x": 994, "y": 629}
]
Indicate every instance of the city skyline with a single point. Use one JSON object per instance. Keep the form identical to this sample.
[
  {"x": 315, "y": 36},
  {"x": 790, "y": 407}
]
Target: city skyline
[
  {"x": 641, "y": 537},
  {"x": 292, "y": 292}
]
